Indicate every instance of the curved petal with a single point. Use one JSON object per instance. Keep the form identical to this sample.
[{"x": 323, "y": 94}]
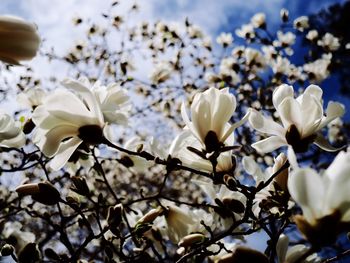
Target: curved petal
[
  {"x": 282, "y": 247},
  {"x": 307, "y": 188},
  {"x": 315, "y": 91},
  {"x": 201, "y": 119},
  {"x": 280, "y": 93},
  {"x": 269, "y": 144},
  {"x": 252, "y": 168},
  {"x": 334, "y": 110},
  {"x": 64, "y": 153},
  {"x": 223, "y": 111},
  {"x": 311, "y": 114},
  {"x": 54, "y": 137},
  {"x": 290, "y": 113},
  {"x": 321, "y": 142},
  {"x": 264, "y": 124}
]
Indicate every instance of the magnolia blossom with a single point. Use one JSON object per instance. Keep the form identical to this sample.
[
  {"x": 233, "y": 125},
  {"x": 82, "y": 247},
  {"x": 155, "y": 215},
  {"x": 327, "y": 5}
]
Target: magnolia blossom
[
  {"x": 302, "y": 119},
  {"x": 325, "y": 200},
  {"x": 258, "y": 20},
  {"x": 312, "y": 35},
  {"x": 294, "y": 253},
  {"x": 66, "y": 119},
  {"x": 11, "y": 134},
  {"x": 246, "y": 31},
  {"x": 329, "y": 42},
  {"x": 318, "y": 69},
  {"x": 19, "y": 39},
  {"x": 210, "y": 112},
  {"x": 225, "y": 39},
  {"x": 301, "y": 23},
  {"x": 31, "y": 98}
]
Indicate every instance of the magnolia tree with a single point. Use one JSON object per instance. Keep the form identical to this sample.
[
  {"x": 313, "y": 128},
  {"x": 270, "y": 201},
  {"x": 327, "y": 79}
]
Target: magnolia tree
[{"x": 162, "y": 146}]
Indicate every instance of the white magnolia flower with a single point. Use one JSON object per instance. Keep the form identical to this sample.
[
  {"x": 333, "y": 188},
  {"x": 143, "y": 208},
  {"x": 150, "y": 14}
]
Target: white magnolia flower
[
  {"x": 329, "y": 42},
  {"x": 318, "y": 69},
  {"x": 312, "y": 35},
  {"x": 254, "y": 59},
  {"x": 281, "y": 65},
  {"x": 210, "y": 112},
  {"x": 135, "y": 163},
  {"x": 285, "y": 39},
  {"x": 19, "y": 40},
  {"x": 178, "y": 149},
  {"x": 161, "y": 72},
  {"x": 258, "y": 20},
  {"x": 324, "y": 199},
  {"x": 246, "y": 31},
  {"x": 195, "y": 31},
  {"x": 225, "y": 39},
  {"x": 302, "y": 119},
  {"x": 31, "y": 98},
  {"x": 66, "y": 119},
  {"x": 11, "y": 134},
  {"x": 294, "y": 253},
  {"x": 284, "y": 14},
  {"x": 301, "y": 23}
]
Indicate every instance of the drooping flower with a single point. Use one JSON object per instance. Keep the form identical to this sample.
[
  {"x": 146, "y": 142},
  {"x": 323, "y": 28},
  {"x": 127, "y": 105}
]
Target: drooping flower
[
  {"x": 324, "y": 200},
  {"x": 302, "y": 119},
  {"x": 65, "y": 120},
  {"x": 210, "y": 112},
  {"x": 19, "y": 40},
  {"x": 11, "y": 134}
]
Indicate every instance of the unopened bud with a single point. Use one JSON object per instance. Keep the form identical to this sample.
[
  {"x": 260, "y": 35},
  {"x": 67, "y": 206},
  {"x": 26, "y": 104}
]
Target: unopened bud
[
  {"x": 191, "y": 239},
  {"x": 80, "y": 186},
  {"x": 44, "y": 193},
  {"x": 150, "y": 216}
]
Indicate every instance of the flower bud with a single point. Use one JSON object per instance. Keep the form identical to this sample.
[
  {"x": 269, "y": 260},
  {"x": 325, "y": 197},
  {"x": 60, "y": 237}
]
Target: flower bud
[
  {"x": 150, "y": 216},
  {"x": 44, "y": 193},
  {"x": 80, "y": 186},
  {"x": 191, "y": 239},
  {"x": 19, "y": 40},
  {"x": 7, "y": 250}
]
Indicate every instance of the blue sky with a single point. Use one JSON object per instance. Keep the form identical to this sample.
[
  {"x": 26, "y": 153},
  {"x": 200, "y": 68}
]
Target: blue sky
[{"x": 54, "y": 18}]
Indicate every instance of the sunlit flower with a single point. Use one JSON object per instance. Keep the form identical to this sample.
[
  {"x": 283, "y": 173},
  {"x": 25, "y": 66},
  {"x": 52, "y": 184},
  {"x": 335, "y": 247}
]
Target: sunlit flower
[
  {"x": 66, "y": 119},
  {"x": 301, "y": 23},
  {"x": 302, "y": 119},
  {"x": 258, "y": 20},
  {"x": 31, "y": 98},
  {"x": 294, "y": 253},
  {"x": 11, "y": 134},
  {"x": 225, "y": 39},
  {"x": 246, "y": 31},
  {"x": 19, "y": 40},
  {"x": 210, "y": 112},
  {"x": 312, "y": 35},
  {"x": 329, "y": 42},
  {"x": 325, "y": 200},
  {"x": 318, "y": 69}
]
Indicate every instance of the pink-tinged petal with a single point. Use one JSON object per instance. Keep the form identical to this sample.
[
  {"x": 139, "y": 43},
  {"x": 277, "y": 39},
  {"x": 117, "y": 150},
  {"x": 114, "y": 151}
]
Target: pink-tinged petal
[
  {"x": 65, "y": 151},
  {"x": 323, "y": 143},
  {"x": 280, "y": 93},
  {"x": 54, "y": 137},
  {"x": 290, "y": 113},
  {"x": 311, "y": 114},
  {"x": 334, "y": 110},
  {"x": 269, "y": 144},
  {"x": 307, "y": 188},
  {"x": 264, "y": 124}
]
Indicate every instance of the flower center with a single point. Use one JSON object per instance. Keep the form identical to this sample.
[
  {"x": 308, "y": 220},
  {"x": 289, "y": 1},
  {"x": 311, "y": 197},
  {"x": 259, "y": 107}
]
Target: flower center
[
  {"x": 294, "y": 139},
  {"x": 91, "y": 134}
]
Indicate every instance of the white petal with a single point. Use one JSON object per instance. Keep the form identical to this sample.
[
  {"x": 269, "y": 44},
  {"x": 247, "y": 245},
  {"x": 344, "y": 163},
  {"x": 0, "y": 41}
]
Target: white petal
[
  {"x": 264, "y": 124},
  {"x": 64, "y": 153},
  {"x": 280, "y": 93},
  {"x": 252, "y": 168},
  {"x": 269, "y": 144},
  {"x": 311, "y": 114},
  {"x": 201, "y": 119},
  {"x": 334, "y": 110},
  {"x": 294, "y": 253},
  {"x": 290, "y": 113},
  {"x": 282, "y": 247},
  {"x": 322, "y": 142},
  {"x": 314, "y": 91},
  {"x": 307, "y": 188}
]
